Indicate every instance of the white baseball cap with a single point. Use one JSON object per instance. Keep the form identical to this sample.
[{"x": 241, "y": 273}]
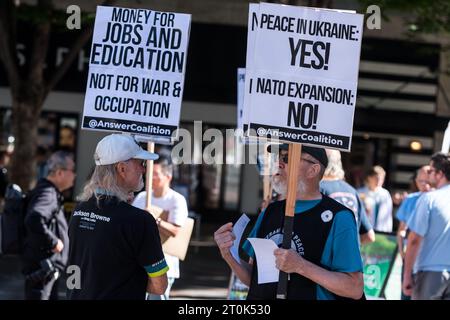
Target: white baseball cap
[{"x": 120, "y": 147}]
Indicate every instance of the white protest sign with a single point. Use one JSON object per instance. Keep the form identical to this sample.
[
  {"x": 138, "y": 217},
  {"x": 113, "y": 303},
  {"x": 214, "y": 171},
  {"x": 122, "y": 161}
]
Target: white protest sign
[
  {"x": 136, "y": 71},
  {"x": 242, "y": 115},
  {"x": 446, "y": 141},
  {"x": 302, "y": 73},
  {"x": 238, "y": 230}
]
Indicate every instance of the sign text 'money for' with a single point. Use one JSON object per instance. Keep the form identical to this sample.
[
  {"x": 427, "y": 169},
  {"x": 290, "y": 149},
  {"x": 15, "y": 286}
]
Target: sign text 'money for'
[
  {"x": 302, "y": 73},
  {"x": 136, "y": 71}
]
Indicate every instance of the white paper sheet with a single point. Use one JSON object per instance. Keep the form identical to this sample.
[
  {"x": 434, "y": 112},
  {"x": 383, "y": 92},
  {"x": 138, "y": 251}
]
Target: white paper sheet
[
  {"x": 264, "y": 248},
  {"x": 238, "y": 230}
]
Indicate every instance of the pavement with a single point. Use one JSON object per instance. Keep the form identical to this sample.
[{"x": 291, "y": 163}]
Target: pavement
[{"x": 204, "y": 275}]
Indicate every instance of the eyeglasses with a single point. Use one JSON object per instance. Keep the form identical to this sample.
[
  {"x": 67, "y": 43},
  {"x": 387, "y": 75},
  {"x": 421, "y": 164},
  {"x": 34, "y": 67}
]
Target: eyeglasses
[
  {"x": 143, "y": 163},
  {"x": 284, "y": 158},
  {"x": 312, "y": 162}
]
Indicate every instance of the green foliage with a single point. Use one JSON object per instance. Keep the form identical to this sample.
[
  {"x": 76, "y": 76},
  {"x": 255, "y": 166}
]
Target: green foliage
[
  {"x": 423, "y": 16},
  {"x": 36, "y": 15},
  {"x": 383, "y": 246}
]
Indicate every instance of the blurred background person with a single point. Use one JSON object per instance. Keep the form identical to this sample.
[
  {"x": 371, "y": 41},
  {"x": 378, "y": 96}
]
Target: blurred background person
[
  {"x": 407, "y": 209},
  {"x": 334, "y": 186},
  {"x": 174, "y": 214},
  {"x": 46, "y": 245},
  {"x": 427, "y": 258},
  {"x": 377, "y": 200}
]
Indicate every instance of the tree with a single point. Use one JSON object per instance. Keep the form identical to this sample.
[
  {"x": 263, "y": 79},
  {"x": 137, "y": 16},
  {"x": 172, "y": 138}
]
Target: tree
[
  {"x": 307, "y": 3},
  {"x": 30, "y": 87},
  {"x": 423, "y": 16}
]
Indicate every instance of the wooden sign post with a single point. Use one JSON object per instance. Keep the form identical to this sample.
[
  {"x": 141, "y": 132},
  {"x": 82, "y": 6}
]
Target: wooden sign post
[
  {"x": 267, "y": 184},
  {"x": 295, "y": 151},
  {"x": 149, "y": 177}
]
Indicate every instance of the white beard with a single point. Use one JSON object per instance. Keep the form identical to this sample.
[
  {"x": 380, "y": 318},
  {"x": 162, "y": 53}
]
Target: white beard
[
  {"x": 141, "y": 185},
  {"x": 279, "y": 185}
]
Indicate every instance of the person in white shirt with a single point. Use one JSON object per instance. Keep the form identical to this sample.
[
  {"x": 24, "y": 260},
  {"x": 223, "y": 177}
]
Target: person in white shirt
[{"x": 173, "y": 216}]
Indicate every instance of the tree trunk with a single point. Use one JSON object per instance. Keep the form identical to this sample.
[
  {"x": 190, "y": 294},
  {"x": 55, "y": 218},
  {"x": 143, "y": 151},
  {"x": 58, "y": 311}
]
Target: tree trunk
[
  {"x": 30, "y": 90},
  {"x": 25, "y": 132}
]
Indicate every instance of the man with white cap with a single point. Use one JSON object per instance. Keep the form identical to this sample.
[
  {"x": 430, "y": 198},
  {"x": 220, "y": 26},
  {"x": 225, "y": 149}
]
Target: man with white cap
[{"x": 116, "y": 246}]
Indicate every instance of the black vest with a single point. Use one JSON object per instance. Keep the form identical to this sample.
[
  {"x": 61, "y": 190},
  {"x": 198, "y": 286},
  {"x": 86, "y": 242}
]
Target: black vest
[{"x": 310, "y": 233}]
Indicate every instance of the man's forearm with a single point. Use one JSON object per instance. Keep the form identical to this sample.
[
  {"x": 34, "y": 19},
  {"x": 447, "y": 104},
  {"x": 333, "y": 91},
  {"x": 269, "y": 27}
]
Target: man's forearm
[
  {"x": 412, "y": 250},
  {"x": 243, "y": 271},
  {"x": 168, "y": 229},
  {"x": 367, "y": 237},
  {"x": 343, "y": 284}
]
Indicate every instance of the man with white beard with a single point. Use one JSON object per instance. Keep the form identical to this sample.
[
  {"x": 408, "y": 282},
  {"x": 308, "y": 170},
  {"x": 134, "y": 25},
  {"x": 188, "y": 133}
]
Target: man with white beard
[
  {"x": 115, "y": 245},
  {"x": 324, "y": 261}
]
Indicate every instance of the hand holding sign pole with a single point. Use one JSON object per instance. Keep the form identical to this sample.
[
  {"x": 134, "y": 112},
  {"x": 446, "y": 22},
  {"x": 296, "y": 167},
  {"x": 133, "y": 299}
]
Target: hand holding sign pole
[{"x": 295, "y": 151}]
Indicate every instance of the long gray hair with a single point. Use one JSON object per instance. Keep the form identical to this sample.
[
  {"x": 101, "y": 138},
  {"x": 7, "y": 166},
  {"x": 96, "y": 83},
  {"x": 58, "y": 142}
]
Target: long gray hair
[
  {"x": 334, "y": 168},
  {"x": 103, "y": 177}
]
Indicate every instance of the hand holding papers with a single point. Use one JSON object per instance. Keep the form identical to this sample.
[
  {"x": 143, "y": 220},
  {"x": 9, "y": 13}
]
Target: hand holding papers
[
  {"x": 238, "y": 230},
  {"x": 264, "y": 248}
]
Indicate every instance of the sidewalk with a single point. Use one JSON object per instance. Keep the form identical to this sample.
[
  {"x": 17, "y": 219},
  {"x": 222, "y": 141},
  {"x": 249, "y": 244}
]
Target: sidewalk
[{"x": 204, "y": 275}]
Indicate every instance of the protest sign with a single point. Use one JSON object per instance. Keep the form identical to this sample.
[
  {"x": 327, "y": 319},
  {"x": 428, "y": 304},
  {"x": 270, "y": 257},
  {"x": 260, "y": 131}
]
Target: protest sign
[
  {"x": 446, "y": 141},
  {"x": 378, "y": 258},
  {"x": 136, "y": 71},
  {"x": 242, "y": 114},
  {"x": 240, "y": 99},
  {"x": 301, "y": 74}
]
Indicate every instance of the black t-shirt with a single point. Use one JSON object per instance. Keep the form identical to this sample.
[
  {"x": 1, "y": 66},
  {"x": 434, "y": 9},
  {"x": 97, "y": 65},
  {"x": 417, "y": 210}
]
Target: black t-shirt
[{"x": 117, "y": 247}]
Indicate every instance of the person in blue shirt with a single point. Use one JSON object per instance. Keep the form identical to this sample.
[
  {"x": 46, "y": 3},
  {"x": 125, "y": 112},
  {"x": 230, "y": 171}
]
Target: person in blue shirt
[
  {"x": 427, "y": 258},
  {"x": 334, "y": 186},
  {"x": 407, "y": 209},
  {"x": 408, "y": 205},
  {"x": 324, "y": 261},
  {"x": 377, "y": 200}
]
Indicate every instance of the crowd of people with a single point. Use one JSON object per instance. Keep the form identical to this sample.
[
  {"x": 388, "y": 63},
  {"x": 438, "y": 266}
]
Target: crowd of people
[{"x": 117, "y": 244}]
